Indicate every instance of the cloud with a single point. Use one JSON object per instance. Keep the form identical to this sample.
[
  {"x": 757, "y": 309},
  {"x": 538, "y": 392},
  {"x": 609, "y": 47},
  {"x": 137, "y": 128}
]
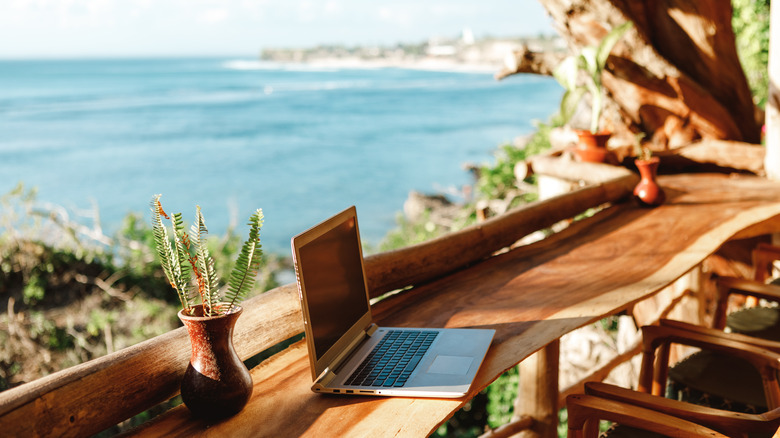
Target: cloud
[
  {"x": 213, "y": 16},
  {"x": 398, "y": 16}
]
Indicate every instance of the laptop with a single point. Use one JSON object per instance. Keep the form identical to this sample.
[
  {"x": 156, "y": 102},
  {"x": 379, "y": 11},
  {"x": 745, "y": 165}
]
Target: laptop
[{"x": 348, "y": 353}]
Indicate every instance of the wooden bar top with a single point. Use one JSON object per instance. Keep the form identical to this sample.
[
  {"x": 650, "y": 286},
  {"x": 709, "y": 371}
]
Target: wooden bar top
[{"x": 530, "y": 295}]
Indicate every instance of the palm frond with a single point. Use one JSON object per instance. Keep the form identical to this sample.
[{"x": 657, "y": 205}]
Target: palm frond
[{"x": 243, "y": 275}]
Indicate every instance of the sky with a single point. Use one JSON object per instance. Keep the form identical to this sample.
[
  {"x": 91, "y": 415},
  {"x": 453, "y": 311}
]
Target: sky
[{"x": 132, "y": 28}]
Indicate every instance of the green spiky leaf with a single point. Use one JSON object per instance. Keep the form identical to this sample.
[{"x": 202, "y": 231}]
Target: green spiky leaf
[
  {"x": 590, "y": 64},
  {"x": 171, "y": 261},
  {"x": 203, "y": 265},
  {"x": 242, "y": 277},
  {"x": 608, "y": 42}
]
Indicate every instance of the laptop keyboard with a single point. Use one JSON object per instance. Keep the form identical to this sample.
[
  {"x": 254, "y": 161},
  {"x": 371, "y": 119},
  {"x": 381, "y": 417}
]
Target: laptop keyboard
[{"x": 393, "y": 360}]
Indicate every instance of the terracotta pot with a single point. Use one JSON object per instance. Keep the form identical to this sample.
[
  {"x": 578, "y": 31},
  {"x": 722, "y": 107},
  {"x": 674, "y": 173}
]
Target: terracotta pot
[
  {"x": 648, "y": 192},
  {"x": 216, "y": 384},
  {"x": 592, "y": 147}
]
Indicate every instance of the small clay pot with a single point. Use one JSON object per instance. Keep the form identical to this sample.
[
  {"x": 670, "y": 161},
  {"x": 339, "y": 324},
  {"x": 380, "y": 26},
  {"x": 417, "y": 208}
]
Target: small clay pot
[
  {"x": 592, "y": 148},
  {"x": 216, "y": 384},
  {"x": 648, "y": 192}
]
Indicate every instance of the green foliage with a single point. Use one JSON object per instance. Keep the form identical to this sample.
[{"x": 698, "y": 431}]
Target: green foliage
[
  {"x": 46, "y": 332},
  {"x": 410, "y": 233},
  {"x": 495, "y": 181},
  {"x": 99, "y": 319},
  {"x": 35, "y": 289},
  {"x": 173, "y": 259},
  {"x": 242, "y": 278},
  {"x": 190, "y": 256},
  {"x": 501, "y": 398},
  {"x": 591, "y": 61},
  {"x": 74, "y": 294},
  {"x": 201, "y": 263},
  {"x": 750, "y": 22},
  {"x": 468, "y": 422}
]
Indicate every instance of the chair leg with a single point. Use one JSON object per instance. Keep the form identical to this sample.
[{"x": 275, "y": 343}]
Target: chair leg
[
  {"x": 661, "y": 370},
  {"x": 719, "y": 319},
  {"x": 646, "y": 372},
  {"x": 591, "y": 429}
]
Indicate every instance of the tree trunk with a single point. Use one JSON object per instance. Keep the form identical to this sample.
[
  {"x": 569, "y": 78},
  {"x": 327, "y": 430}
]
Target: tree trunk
[{"x": 676, "y": 76}]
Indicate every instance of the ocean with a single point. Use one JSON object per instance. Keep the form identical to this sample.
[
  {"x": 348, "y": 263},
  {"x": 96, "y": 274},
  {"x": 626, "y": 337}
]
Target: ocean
[{"x": 231, "y": 135}]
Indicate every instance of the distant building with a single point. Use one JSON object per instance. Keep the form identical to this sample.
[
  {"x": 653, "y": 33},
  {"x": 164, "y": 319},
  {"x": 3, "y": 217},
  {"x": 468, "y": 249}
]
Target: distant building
[{"x": 467, "y": 37}]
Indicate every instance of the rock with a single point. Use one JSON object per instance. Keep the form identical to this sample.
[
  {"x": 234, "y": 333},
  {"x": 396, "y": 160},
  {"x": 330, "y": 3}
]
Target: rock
[{"x": 417, "y": 203}]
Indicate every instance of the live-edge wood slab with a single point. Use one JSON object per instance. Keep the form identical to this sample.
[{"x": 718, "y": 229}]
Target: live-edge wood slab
[{"x": 530, "y": 295}]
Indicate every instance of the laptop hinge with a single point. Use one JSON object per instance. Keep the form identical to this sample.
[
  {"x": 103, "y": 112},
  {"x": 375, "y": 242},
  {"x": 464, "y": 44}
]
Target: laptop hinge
[
  {"x": 324, "y": 379},
  {"x": 330, "y": 372}
]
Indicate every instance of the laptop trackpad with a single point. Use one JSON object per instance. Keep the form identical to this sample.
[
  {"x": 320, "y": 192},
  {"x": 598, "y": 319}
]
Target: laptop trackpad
[{"x": 455, "y": 365}]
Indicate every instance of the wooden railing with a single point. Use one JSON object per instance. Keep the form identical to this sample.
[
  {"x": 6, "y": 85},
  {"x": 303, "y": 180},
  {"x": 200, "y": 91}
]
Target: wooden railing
[{"x": 98, "y": 394}]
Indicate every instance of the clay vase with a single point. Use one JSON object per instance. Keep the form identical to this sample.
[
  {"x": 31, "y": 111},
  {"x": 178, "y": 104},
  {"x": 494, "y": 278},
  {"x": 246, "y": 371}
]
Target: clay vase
[
  {"x": 648, "y": 192},
  {"x": 592, "y": 148},
  {"x": 216, "y": 384}
]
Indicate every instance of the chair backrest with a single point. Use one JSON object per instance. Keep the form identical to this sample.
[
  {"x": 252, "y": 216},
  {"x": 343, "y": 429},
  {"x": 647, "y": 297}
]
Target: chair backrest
[
  {"x": 653, "y": 374},
  {"x": 584, "y": 411}
]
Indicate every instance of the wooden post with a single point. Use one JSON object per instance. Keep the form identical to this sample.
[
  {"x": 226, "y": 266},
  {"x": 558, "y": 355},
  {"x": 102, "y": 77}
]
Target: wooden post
[
  {"x": 537, "y": 394},
  {"x": 772, "y": 121}
]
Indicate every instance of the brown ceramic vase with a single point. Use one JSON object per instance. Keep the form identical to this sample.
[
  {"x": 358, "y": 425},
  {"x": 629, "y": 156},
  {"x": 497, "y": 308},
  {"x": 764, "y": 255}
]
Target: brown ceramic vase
[
  {"x": 592, "y": 148},
  {"x": 216, "y": 384},
  {"x": 648, "y": 192}
]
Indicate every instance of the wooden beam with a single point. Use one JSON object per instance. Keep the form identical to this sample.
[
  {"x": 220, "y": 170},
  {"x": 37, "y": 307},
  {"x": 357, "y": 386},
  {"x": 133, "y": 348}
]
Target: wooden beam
[
  {"x": 433, "y": 259},
  {"x": 537, "y": 395},
  {"x": 93, "y": 396},
  {"x": 510, "y": 429},
  {"x": 727, "y": 154},
  {"x": 772, "y": 158},
  {"x": 568, "y": 169},
  {"x": 525, "y": 60}
]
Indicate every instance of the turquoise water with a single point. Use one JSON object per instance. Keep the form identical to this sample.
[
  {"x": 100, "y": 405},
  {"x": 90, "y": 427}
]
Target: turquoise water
[{"x": 301, "y": 143}]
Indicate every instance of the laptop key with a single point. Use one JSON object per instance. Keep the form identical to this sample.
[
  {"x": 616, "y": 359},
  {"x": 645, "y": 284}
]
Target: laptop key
[
  {"x": 391, "y": 362},
  {"x": 413, "y": 363}
]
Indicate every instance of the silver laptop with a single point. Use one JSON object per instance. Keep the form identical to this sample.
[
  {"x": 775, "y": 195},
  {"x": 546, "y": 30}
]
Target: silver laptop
[{"x": 349, "y": 354}]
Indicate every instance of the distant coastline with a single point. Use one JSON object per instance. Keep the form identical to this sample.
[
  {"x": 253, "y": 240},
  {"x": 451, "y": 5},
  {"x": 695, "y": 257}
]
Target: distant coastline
[{"x": 462, "y": 54}]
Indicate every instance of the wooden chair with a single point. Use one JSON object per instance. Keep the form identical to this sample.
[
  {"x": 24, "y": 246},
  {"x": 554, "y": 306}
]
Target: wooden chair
[
  {"x": 739, "y": 369},
  {"x": 724, "y": 380},
  {"x": 731, "y": 424},
  {"x": 656, "y": 409},
  {"x": 585, "y": 411},
  {"x": 758, "y": 321}
]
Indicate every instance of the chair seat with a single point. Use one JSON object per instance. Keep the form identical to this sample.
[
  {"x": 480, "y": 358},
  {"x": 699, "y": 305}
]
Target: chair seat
[
  {"x": 759, "y": 322},
  {"x": 718, "y": 380}
]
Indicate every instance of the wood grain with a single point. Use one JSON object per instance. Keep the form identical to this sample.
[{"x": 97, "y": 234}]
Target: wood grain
[
  {"x": 530, "y": 296},
  {"x": 435, "y": 258},
  {"x": 93, "y": 396}
]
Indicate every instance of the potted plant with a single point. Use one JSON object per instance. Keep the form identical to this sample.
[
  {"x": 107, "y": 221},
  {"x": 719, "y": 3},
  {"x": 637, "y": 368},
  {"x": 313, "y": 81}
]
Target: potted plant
[
  {"x": 216, "y": 384},
  {"x": 589, "y": 63},
  {"x": 648, "y": 193}
]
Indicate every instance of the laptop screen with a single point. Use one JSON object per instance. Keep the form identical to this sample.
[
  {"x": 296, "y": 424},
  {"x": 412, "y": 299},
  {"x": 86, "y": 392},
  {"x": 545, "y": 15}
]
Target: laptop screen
[{"x": 331, "y": 270}]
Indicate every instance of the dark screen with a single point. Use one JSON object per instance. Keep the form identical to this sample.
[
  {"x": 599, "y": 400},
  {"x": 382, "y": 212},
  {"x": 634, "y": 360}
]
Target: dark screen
[{"x": 333, "y": 279}]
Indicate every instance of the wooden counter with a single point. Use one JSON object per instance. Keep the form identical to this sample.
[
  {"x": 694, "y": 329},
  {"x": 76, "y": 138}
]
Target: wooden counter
[{"x": 531, "y": 296}]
